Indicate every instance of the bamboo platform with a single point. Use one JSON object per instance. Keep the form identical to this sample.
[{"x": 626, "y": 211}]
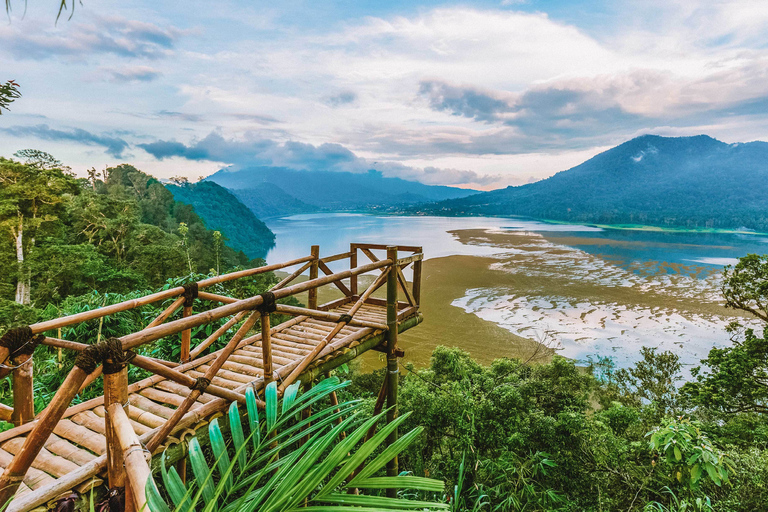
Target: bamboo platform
[{"x": 76, "y": 448}]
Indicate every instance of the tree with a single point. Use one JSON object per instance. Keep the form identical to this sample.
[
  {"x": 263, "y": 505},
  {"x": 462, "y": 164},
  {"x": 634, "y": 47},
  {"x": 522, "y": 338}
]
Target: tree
[
  {"x": 9, "y": 92},
  {"x": 29, "y": 197},
  {"x": 40, "y": 159},
  {"x": 736, "y": 379},
  {"x": 745, "y": 286}
]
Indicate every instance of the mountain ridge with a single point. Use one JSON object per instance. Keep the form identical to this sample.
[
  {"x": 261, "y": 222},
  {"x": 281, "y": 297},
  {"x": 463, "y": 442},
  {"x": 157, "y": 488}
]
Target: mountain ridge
[
  {"x": 311, "y": 191},
  {"x": 223, "y": 211},
  {"x": 689, "y": 182}
]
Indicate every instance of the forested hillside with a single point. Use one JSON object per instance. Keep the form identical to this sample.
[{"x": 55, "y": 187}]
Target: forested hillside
[
  {"x": 118, "y": 230},
  {"x": 290, "y": 191},
  {"x": 694, "y": 182},
  {"x": 225, "y": 213}
]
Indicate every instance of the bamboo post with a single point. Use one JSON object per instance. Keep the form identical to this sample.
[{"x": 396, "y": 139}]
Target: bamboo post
[
  {"x": 392, "y": 363},
  {"x": 115, "y": 392},
  {"x": 14, "y": 473},
  {"x": 417, "y": 279},
  {"x": 133, "y": 454},
  {"x": 312, "y": 293},
  {"x": 186, "y": 334},
  {"x": 23, "y": 392},
  {"x": 353, "y": 264},
  {"x": 266, "y": 348}
]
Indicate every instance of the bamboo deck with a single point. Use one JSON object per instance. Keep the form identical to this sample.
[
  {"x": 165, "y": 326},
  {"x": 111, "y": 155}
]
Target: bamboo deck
[
  {"x": 79, "y": 438},
  {"x": 68, "y": 448}
]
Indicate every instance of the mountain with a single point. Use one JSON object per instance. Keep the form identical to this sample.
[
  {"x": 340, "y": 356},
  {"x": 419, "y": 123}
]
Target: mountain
[
  {"x": 289, "y": 191},
  {"x": 267, "y": 200},
  {"x": 222, "y": 211},
  {"x": 664, "y": 181}
]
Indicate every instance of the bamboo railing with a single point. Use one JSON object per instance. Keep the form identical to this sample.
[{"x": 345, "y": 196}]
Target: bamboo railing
[{"x": 126, "y": 454}]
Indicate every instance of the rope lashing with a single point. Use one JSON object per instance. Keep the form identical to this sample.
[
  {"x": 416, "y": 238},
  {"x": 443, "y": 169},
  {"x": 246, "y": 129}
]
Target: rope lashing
[
  {"x": 345, "y": 318},
  {"x": 20, "y": 341},
  {"x": 201, "y": 384},
  {"x": 109, "y": 353},
  {"x": 190, "y": 293},
  {"x": 268, "y": 305}
]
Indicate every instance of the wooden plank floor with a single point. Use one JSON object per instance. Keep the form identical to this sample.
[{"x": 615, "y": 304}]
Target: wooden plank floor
[{"x": 79, "y": 438}]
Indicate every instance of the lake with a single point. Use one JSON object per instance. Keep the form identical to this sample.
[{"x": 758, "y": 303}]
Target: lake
[{"x": 584, "y": 291}]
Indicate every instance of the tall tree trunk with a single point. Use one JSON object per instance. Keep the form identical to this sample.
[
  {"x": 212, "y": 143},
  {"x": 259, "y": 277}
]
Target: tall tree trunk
[{"x": 22, "y": 282}]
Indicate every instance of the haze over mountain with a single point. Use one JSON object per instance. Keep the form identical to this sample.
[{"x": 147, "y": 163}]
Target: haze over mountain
[
  {"x": 222, "y": 211},
  {"x": 664, "y": 181},
  {"x": 278, "y": 191}
]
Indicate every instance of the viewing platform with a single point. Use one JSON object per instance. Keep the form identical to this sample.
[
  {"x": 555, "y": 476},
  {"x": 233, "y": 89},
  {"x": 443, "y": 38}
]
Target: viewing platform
[{"x": 111, "y": 440}]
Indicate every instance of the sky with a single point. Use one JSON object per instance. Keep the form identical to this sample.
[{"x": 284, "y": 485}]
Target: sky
[{"x": 472, "y": 94}]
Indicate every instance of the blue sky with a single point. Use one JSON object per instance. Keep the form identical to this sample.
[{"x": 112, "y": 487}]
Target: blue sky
[{"x": 481, "y": 94}]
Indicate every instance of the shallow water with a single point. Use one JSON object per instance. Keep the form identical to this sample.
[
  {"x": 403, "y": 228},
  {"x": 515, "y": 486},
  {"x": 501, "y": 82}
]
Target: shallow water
[{"x": 585, "y": 291}]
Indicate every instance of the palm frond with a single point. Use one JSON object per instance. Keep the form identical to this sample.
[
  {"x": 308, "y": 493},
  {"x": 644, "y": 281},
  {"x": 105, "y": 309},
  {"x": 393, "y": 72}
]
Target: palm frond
[{"x": 289, "y": 463}]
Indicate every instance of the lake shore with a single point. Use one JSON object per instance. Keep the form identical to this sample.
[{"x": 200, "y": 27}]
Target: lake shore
[{"x": 498, "y": 290}]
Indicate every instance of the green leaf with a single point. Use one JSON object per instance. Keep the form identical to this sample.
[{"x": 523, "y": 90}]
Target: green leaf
[
  {"x": 290, "y": 396},
  {"x": 219, "y": 448},
  {"x": 236, "y": 428},
  {"x": 155, "y": 501},
  {"x": 201, "y": 470},
  {"x": 174, "y": 485},
  {"x": 271, "y": 396},
  {"x": 253, "y": 415},
  {"x": 695, "y": 473},
  {"x": 712, "y": 472},
  {"x": 678, "y": 454},
  {"x": 402, "y": 482},
  {"x": 381, "y": 503}
]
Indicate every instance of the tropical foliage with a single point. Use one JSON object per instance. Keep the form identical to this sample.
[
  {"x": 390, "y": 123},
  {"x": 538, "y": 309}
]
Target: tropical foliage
[{"x": 285, "y": 461}]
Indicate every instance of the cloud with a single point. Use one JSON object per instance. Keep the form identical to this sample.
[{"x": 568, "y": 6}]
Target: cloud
[
  {"x": 252, "y": 151},
  {"x": 343, "y": 98},
  {"x": 132, "y": 74},
  {"x": 463, "y": 101},
  {"x": 100, "y": 35},
  {"x": 112, "y": 145}
]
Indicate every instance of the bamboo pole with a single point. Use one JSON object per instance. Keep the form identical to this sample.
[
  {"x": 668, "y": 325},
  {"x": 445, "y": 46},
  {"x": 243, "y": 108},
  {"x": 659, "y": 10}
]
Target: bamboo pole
[
  {"x": 218, "y": 333},
  {"x": 186, "y": 334},
  {"x": 166, "y": 429},
  {"x": 115, "y": 393},
  {"x": 339, "y": 326},
  {"x": 338, "y": 282},
  {"x": 6, "y": 413},
  {"x": 136, "y": 464},
  {"x": 154, "y": 297},
  {"x": 404, "y": 286},
  {"x": 353, "y": 264},
  {"x": 326, "y": 315},
  {"x": 184, "y": 379},
  {"x": 251, "y": 272},
  {"x": 214, "y": 297},
  {"x": 23, "y": 391},
  {"x": 291, "y": 277},
  {"x": 166, "y": 313},
  {"x": 392, "y": 366},
  {"x": 313, "y": 272},
  {"x": 155, "y": 333},
  {"x": 417, "y": 269},
  {"x": 14, "y": 473},
  {"x": 266, "y": 348}
]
